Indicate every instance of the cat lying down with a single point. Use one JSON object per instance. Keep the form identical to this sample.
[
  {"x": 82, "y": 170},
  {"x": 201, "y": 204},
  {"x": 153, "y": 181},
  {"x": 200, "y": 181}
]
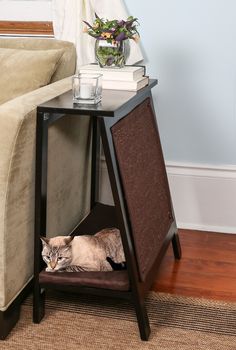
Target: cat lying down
[{"x": 100, "y": 252}]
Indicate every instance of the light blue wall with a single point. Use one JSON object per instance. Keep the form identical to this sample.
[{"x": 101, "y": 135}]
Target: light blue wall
[{"x": 190, "y": 46}]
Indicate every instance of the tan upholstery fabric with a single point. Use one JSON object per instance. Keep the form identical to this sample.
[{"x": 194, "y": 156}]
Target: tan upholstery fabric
[
  {"x": 68, "y": 169},
  {"x": 67, "y": 63},
  {"x": 22, "y": 71},
  {"x": 68, "y": 182}
]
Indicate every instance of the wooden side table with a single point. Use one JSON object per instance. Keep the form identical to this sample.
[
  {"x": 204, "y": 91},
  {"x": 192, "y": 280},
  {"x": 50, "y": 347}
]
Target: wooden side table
[{"x": 125, "y": 122}]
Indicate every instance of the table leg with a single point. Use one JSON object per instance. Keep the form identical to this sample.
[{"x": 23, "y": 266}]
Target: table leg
[
  {"x": 40, "y": 209},
  {"x": 95, "y": 163}
]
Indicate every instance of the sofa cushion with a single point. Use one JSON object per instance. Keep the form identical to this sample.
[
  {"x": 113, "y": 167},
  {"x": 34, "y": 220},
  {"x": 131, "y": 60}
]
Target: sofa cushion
[
  {"x": 22, "y": 71},
  {"x": 67, "y": 64}
]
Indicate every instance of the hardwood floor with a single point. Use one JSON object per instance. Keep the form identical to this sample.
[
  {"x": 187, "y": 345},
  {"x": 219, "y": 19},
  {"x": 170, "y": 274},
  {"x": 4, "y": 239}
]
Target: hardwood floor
[{"x": 207, "y": 268}]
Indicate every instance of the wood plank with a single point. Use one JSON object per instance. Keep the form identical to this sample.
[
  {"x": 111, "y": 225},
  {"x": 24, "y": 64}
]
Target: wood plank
[
  {"x": 21, "y": 27},
  {"x": 207, "y": 268}
]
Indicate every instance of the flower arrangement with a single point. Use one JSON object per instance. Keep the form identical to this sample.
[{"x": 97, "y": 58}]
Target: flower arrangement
[
  {"x": 114, "y": 30},
  {"x": 112, "y": 46}
]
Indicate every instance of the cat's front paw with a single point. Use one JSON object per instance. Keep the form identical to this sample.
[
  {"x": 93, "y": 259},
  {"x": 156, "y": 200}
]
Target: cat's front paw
[{"x": 48, "y": 269}]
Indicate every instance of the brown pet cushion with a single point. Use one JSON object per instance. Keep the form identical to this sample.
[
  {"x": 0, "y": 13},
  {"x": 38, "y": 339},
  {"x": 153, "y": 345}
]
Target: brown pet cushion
[{"x": 115, "y": 280}]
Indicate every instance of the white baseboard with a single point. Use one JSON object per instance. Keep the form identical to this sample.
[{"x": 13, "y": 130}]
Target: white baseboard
[{"x": 204, "y": 196}]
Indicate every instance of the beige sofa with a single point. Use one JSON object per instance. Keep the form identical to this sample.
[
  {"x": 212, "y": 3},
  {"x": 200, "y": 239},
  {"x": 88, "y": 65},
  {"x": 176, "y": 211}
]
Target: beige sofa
[{"x": 68, "y": 164}]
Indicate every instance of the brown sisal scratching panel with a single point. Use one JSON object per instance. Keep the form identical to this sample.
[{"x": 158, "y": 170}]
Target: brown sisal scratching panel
[{"x": 143, "y": 175}]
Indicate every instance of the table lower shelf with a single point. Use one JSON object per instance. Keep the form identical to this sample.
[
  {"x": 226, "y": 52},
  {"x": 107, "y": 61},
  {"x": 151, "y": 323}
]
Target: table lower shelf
[
  {"x": 112, "y": 280},
  {"x": 101, "y": 216}
]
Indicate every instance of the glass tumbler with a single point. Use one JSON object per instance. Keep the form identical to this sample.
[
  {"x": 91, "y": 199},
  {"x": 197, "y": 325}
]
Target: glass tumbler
[{"x": 87, "y": 88}]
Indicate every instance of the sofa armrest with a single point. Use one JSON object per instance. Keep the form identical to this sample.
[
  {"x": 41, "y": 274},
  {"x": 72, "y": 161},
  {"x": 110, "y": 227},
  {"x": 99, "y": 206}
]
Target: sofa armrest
[
  {"x": 68, "y": 182},
  {"x": 12, "y": 115}
]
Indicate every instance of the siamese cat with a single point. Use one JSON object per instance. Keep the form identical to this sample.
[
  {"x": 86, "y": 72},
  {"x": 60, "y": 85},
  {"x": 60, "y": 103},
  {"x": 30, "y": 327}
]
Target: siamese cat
[{"x": 100, "y": 252}]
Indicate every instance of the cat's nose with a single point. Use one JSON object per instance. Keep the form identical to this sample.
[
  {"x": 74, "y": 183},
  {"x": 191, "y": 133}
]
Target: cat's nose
[{"x": 53, "y": 264}]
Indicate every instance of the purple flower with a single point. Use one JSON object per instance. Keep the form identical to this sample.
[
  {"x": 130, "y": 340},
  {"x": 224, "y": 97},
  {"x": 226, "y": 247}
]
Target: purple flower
[
  {"x": 88, "y": 24},
  {"x": 113, "y": 30},
  {"x": 97, "y": 16},
  {"x": 121, "y": 37},
  {"x": 129, "y": 23},
  {"x": 107, "y": 31},
  {"x": 110, "y": 60},
  {"x": 121, "y": 23}
]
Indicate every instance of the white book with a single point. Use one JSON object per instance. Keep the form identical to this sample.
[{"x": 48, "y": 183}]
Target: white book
[
  {"x": 125, "y": 85},
  {"x": 127, "y": 73}
]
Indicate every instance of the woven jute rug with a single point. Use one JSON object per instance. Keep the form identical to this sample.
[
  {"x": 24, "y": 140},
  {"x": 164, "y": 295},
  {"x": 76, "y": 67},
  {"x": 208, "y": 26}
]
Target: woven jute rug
[{"x": 74, "y": 322}]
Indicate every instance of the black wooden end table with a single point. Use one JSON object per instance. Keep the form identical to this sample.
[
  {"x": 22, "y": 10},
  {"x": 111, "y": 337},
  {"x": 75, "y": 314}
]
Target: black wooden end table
[{"x": 125, "y": 123}]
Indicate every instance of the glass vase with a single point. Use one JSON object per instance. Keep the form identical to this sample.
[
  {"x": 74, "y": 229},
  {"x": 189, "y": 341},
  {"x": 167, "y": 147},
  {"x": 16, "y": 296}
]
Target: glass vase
[{"x": 112, "y": 54}]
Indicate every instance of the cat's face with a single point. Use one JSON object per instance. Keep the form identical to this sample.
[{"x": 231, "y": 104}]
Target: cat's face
[{"x": 56, "y": 252}]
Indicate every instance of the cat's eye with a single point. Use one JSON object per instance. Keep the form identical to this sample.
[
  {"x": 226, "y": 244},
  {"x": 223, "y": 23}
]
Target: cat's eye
[
  {"x": 47, "y": 257},
  {"x": 59, "y": 258}
]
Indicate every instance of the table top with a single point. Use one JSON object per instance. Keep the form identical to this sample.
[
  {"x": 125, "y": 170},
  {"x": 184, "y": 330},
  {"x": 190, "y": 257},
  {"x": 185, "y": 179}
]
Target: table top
[{"x": 112, "y": 102}]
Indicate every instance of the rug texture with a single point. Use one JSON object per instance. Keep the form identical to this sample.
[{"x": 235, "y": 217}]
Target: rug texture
[{"x": 75, "y": 322}]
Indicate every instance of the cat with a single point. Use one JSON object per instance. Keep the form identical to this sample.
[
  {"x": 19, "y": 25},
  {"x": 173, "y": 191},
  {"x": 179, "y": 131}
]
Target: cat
[
  {"x": 115, "y": 266},
  {"x": 84, "y": 253}
]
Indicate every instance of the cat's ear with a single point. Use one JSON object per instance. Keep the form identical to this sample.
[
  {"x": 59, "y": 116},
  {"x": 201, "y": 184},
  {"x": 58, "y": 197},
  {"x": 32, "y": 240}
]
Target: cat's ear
[
  {"x": 69, "y": 239},
  {"x": 44, "y": 240}
]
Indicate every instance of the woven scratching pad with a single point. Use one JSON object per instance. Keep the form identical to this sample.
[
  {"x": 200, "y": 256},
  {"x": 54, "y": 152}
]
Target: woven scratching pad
[{"x": 139, "y": 155}]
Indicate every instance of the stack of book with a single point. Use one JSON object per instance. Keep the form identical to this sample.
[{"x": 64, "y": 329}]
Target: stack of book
[{"x": 131, "y": 78}]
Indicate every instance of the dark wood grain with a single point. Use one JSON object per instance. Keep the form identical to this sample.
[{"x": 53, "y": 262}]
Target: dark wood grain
[{"x": 113, "y": 103}]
